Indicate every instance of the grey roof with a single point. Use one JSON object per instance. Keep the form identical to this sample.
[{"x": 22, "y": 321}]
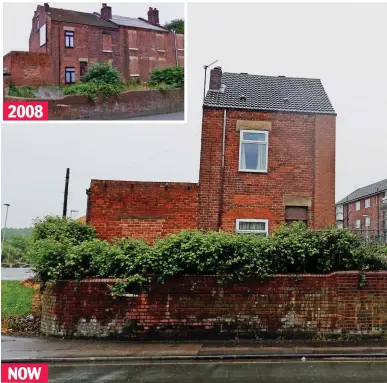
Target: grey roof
[
  {"x": 365, "y": 191},
  {"x": 76, "y": 17},
  {"x": 270, "y": 93},
  {"x": 136, "y": 23}
]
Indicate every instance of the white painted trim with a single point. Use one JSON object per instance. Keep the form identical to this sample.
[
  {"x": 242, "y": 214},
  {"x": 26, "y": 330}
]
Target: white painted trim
[
  {"x": 134, "y": 75},
  {"x": 133, "y": 49},
  {"x": 265, "y": 221},
  {"x": 241, "y": 141},
  {"x": 108, "y": 51}
]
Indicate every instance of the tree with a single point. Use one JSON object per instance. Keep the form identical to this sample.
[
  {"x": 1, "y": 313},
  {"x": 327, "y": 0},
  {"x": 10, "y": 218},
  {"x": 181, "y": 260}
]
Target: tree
[{"x": 177, "y": 25}]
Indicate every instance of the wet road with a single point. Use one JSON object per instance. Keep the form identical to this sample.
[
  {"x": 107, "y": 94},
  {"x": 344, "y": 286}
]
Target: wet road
[
  {"x": 374, "y": 371},
  {"x": 15, "y": 274},
  {"x": 161, "y": 117}
]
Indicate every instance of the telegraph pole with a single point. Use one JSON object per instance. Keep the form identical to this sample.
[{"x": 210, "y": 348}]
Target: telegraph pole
[{"x": 66, "y": 192}]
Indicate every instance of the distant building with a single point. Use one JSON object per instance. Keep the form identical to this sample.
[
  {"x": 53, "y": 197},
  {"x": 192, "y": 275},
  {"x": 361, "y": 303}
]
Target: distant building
[{"x": 365, "y": 210}]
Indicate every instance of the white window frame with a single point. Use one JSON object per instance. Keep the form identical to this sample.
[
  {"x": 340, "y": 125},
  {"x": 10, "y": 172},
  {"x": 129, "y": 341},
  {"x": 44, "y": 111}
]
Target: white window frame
[
  {"x": 358, "y": 224},
  {"x": 241, "y": 141},
  {"x": 368, "y": 218},
  {"x": 367, "y": 205},
  {"x": 42, "y": 35},
  {"x": 265, "y": 221},
  {"x": 357, "y": 205}
]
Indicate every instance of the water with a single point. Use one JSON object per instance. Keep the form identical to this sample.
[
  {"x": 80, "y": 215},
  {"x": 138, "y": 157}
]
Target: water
[{"x": 321, "y": 371}]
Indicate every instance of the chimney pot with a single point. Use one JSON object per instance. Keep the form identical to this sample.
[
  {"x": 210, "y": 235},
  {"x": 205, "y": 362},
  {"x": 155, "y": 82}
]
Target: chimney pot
[
  {"x": 153, "y": 16},
  {"x": 215, "y": 78},
  {"x": 106, "y": 12}
]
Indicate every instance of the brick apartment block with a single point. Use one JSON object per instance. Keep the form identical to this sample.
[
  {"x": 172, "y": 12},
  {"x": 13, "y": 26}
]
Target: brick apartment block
[
  {"x": 267, "y": 156},
  {"x": 365, "y": 210},
  {"x": 63, "y": 44}
]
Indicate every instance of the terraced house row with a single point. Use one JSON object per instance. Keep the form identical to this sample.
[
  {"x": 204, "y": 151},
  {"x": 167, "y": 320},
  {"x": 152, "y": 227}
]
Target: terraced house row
[
  {"x": 63, "y": 44},
  {"x": 267, "y": 157}
]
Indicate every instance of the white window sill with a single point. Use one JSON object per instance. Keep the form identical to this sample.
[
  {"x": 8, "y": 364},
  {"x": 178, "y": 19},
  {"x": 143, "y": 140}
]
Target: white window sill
[
  {"x": 134, "y": 75},
  {"x": 108, "y": 51},
  {"x": 160, "y": 50},
  {"x": 180, "y": 49},
  {"x": 133, "y": 49},
  {"x": 252, "y": 171}
]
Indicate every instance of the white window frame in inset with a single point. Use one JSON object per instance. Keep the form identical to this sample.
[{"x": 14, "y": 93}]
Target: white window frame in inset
[
  {"x": 265, "y": 221},
  {"x": 365, "y": 203},
  {"x": 241, "y": 141},
  {"x": 357, "y": 204},
  {"x": 365, "y": 221},
  {"x": 356, "y": 226},
  {"x": 42, "y": 33}
]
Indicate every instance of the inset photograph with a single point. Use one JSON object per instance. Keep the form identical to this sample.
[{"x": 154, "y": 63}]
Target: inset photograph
[{"x": 93, "y": 61}]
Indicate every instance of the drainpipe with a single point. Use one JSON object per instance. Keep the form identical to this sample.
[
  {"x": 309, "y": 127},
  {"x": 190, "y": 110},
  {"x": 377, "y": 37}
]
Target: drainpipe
[
  {"x": 174, "y": 41},
  {"x": 222, "y": 170},
  {"x": 59, "y": 51}
]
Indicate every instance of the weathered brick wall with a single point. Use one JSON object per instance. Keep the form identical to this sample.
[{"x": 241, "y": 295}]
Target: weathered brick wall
[
  {"x": 144, "y": 210},
  {"x": 29, "y": 68},
  {"x": 124, "y": 105},
  {"x": 376, "y": 215},
  {"x": 197, "y": 306},
  {"x": 301, "y": 163}
]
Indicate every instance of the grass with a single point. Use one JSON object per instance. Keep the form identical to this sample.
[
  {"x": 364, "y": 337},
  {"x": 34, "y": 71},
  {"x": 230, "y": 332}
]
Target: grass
[{"x": 16, "y": 299}]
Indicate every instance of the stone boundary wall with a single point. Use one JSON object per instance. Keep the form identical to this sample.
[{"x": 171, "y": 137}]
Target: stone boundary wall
[
  {"x": 124, "y": 105},
  {"x": 198, "y": 307}
]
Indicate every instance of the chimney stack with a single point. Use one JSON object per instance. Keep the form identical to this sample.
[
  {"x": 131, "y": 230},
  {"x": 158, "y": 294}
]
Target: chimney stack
[
  {"x": 215, "y": 78},
  {"x": 106, "y": 12},
  {"x": 153, "y": 16},
  {"x": 46, "y": 7}
]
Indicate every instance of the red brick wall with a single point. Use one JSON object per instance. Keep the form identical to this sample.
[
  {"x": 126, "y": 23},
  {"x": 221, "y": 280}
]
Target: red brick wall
[
  {"x": 197, "y": 306},
  {"x": 144, "y": 210},
  {"x": 374, "y": 212},
  {"x": 124, "y": 105},
  {"x": 301, "y": 163},
  {"x": 150, "y": 54},
  {"x": 29, "y": 68}
]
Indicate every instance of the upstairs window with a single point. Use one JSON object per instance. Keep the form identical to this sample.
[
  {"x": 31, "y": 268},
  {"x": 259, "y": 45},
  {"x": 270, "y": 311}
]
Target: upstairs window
[
  {"x": 107, "y": 42},
  {"x": 357, "y": 206},
  {"x": 253, "y": 151},
  {"x": 69, "y": 39},
  {"x": 42, "y": 35},
  {"x": 70, "y": 75},
  {"x": 367, "y": 203},
  {"x": 132, "y": 37},
  {"x": 252, "y": 226},
  {"x": 161, "y": 42},
  {"x": 37, "y": 23}
]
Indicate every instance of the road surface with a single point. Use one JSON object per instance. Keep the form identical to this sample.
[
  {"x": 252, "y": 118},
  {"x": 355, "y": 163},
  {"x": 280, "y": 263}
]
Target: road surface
[
  {"x": 275, "y": 371},
  {"x": 15, "y": 274},
  {"x": 161, "y": 117}
]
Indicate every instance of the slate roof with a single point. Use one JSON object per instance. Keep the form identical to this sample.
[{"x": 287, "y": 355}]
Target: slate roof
[
  {"x": 76, "y": 17},
  {"x": 136, "y": 23},
  {"x": 365, "y": 191},
  {"x": 270, "y": 93}
]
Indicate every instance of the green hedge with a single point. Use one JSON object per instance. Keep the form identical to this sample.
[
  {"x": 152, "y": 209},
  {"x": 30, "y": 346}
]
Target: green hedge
[{"x": 65, "y": 249}]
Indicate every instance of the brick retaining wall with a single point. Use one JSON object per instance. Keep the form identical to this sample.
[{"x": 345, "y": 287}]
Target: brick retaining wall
[
  {"x": 198, "y": 307},
  {"x": 125, "y": 105}
]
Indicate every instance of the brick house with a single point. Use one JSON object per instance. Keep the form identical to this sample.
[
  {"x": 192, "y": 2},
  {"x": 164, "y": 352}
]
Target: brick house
[
  {"x": 365, "y": 210},
  {"x": 267, "y": 157},
  {"x": 64, "y": 43}
]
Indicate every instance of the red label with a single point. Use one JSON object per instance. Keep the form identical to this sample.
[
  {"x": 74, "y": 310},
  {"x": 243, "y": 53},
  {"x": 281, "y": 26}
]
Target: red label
[
  {"x": 25, "y": 111},
  {"x": 24, "y": 372}
]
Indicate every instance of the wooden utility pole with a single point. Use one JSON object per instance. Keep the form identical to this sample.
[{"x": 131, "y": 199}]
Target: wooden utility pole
[{"x": 66, "y": 192}]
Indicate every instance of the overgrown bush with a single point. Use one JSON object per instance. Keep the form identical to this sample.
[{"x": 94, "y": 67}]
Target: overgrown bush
[
  {"x": 102, "y": 74},
  {"x": 64, "y": 249},
  {"x": 26, "y": 91},
  {"x": 92, "y": 89},
  {"x": 167, "y": 78}
]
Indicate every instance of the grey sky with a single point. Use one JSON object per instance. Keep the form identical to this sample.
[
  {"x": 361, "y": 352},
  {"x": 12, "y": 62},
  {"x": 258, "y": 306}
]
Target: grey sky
[{"x": 342, "y": 44}]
